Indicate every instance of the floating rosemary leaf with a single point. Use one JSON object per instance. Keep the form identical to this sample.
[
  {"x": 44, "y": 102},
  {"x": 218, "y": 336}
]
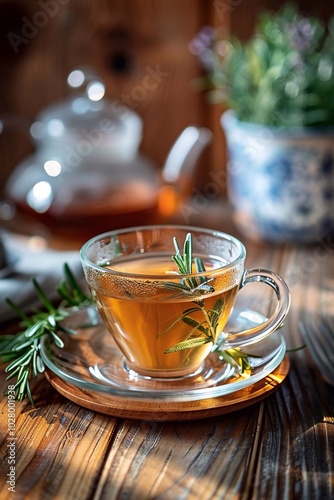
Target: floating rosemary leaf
[{"x": 205, "y": 331}]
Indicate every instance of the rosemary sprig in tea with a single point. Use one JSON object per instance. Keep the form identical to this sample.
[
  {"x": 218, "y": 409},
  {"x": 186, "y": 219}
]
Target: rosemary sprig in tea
[
  {"x": 22, "y": 351},
  {"x": 205, "y": 331}
]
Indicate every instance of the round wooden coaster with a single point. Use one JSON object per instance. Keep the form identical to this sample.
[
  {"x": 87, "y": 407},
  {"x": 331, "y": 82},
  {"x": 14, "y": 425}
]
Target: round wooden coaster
[{"x": 171, "y": 411}]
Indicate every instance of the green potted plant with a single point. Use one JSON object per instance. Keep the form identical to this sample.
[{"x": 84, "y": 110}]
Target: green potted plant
[{"x": 278, "y": 87}]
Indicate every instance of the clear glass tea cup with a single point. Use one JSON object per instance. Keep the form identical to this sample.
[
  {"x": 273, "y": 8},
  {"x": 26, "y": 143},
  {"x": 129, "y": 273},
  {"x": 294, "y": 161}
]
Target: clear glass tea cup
[{"x": 165, "y": 294}]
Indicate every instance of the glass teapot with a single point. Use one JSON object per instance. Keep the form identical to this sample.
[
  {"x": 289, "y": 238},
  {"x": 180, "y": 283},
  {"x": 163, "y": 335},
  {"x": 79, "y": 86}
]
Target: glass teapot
[{"x": 87, "y": 175}]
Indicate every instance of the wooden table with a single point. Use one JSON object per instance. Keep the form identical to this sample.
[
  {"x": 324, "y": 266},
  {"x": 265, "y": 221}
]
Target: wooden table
[{"x": 279, "y": 448}]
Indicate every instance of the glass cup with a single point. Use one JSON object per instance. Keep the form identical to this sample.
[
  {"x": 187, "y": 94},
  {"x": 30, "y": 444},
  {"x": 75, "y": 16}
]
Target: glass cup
[{"x": 166, "y": 319}]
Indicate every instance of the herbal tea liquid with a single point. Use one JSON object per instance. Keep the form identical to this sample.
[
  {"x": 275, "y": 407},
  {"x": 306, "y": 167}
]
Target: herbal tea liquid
[{"x": 143, "y": 315}]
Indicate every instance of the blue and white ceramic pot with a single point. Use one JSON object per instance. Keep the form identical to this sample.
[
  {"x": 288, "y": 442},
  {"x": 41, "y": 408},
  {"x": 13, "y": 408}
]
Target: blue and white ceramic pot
[{"x": 280, "y": 182}]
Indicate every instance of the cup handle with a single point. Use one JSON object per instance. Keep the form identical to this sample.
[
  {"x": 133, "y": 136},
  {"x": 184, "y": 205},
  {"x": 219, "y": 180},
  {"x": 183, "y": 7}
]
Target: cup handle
[{"x": 259, "y": 332}]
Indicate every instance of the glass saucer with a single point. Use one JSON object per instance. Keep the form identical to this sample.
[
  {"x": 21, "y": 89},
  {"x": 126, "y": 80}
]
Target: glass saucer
[{"x": 91, "y": 360}]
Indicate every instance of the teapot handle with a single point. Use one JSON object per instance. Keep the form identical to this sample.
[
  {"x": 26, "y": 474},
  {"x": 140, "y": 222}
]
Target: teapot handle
[{"x": 182, "y": 158}]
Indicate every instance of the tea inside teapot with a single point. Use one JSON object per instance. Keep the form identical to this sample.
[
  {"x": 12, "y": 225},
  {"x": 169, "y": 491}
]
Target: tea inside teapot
[
  {"x": 88, "y": 203},
  {"x": 87, "y": 175}
]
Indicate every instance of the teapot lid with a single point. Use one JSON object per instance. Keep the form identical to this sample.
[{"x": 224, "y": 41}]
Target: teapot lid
[{"x": 86, "y": 110}]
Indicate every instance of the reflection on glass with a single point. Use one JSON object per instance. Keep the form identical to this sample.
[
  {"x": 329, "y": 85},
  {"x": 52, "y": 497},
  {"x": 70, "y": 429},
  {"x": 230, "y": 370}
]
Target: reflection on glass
[{"x": 40, "y": 196}]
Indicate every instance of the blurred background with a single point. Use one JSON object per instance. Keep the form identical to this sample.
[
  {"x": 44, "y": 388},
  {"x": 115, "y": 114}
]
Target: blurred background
[{"x": 43, "y": 40}]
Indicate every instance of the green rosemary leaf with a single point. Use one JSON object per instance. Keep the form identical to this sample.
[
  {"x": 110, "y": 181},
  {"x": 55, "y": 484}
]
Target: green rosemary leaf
[
  {"x": 236, "y": 358},
  {"x": 214, "y": 313},
  {"x": 79, "y": 294},
  {"x": 66, "y": 294},
  {"x": 177, "y": 248},
  {"x": 178, "y": 320},
  {"x": 70, "y": 290},
  {"x": 40, "y": 364},
  {"x": 21, "y": 352},
  {"x": 197, "y": 286},
  {"x": 7, "y": 356},
  {"x": 27, "y": 391},
  {"x": 43, "y": 298},
  {"x": 188, "y": 344},
  {"x": 9, "y": 344},
  {"x": 8, "y": 339},
  {"x": 57, "y": 340},
  {"x": 175, "y": 286},
  {"x": 23, "y": 345},
  {"x": 52, "y": 320},
  {"x": 34, "y": 364},
  {"x": 13, "y": 373},
  {"x": 180, "y": 264},
  {"x": 191, "y": 310},
  {"x": 187, "y": 253},
  {"x": 35, "y": 328},
  {"x": 18, "y": 311},
  {"x": 192, "y": 286},
  {"x": 22, "y": 375},
  {"x": 60, "y": 316},
  {"x": 227, "y": 358},
  {"x": 22, "y": 361},
  {"x": 218, "y": 306},
  {"x": 196, "y": 325},
  {"x": 170, "y": 327},
  {"x": 199, "y": 266},
  {"x": 23, "y": 386}
]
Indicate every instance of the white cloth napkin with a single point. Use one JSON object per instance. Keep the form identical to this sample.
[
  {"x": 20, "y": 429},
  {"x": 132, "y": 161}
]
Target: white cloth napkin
[{"x": 29, "y": 260}]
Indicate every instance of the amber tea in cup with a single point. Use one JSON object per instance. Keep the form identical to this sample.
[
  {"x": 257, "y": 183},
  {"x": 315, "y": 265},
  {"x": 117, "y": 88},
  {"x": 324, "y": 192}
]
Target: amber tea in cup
[{"x": 165, "y": 294}]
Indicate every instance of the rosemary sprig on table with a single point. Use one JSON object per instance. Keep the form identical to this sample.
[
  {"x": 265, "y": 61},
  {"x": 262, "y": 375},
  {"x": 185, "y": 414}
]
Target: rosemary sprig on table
[
  {"x": 205, "y": 331},
  {"x": 22, "y": 351}
]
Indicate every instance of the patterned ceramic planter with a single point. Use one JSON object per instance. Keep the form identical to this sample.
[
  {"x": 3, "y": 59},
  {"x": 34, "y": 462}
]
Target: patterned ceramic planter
[{"x": 280, "y": 183}]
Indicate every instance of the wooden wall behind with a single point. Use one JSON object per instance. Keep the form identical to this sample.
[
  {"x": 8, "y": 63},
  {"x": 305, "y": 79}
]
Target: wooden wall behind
[{"x": 121, "y": 39}]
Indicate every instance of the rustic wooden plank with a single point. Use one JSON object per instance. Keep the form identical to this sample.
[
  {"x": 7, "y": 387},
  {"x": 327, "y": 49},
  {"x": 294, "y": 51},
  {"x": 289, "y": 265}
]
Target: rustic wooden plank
[
  {"x": 296, "y": 453},
  {"x": 180, "y": 460},
  {"x": 59, "y": 446},
  {"x": 282, "y": 447},
  {"x": 298, "y": 435}
]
